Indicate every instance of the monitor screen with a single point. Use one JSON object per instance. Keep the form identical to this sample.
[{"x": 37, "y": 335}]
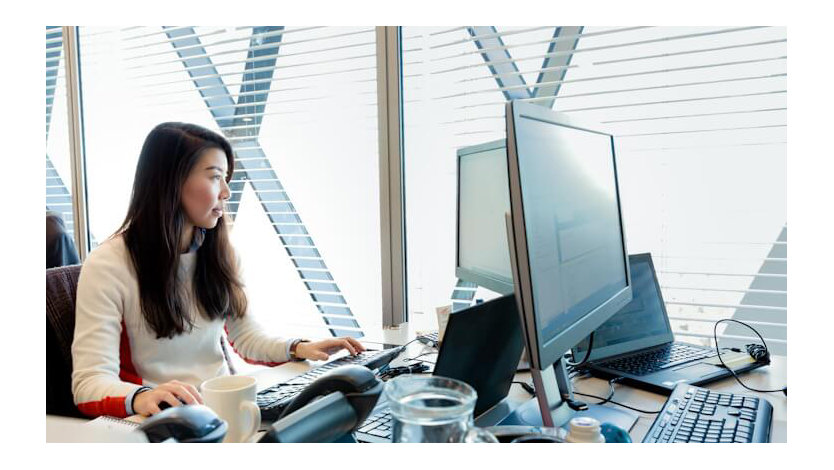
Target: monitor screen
[
  {"x": 483, "y": 255},
  {"x": 566, "y": 214},
  {"x": 640, "y": 324}
]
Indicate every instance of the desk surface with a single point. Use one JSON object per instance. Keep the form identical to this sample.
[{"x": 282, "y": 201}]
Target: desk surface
[{"x": 770, "y": 377}]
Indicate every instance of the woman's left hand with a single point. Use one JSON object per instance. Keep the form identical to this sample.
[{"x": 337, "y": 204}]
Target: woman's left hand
[{"x": 321, "y": 350}]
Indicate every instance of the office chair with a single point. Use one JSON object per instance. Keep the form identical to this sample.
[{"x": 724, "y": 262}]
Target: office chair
[{"x": 61, "y": 285}]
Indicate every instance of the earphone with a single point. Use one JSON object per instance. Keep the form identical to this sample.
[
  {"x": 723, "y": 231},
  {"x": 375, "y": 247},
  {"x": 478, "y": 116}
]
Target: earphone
[{"x": 758, "y": 352}]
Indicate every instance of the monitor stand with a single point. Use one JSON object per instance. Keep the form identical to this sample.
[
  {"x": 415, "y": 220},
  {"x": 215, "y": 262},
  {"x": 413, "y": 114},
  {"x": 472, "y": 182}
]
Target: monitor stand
[{"x": 548, "y": 384}]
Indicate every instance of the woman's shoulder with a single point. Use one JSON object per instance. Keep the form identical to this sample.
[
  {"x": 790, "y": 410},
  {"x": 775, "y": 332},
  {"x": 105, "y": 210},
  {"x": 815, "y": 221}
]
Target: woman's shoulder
[{"x": 111, "y": 255}]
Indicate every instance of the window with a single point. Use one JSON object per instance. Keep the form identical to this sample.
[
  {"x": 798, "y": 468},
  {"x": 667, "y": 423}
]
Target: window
[
  {"x": 299, "y": 106},
  {"x": 58, "y": 168},
  {"x": 700, "y": 119}
]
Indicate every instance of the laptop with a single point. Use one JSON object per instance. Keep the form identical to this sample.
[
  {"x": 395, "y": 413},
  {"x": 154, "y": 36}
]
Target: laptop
[
  {"x": 481, "y": 346},
  {"x": 637, "y": 343}
]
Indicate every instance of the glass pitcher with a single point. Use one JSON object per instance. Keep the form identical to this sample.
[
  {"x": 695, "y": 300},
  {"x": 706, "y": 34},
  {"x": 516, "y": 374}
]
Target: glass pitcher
[{"x": 433, "y": 409}]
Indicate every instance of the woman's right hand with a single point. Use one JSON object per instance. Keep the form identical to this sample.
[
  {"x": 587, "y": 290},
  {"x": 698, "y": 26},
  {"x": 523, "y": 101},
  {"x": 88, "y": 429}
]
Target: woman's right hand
[{"x": 174, "y": 393}]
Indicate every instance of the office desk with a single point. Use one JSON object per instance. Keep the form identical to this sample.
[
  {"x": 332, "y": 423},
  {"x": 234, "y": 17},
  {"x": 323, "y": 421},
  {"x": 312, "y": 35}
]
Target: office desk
[{"x": 770, "y": 377}]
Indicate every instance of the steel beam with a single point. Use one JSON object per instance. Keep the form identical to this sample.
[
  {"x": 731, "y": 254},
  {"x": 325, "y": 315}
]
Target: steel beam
[
  {"x": 287, "y": 224},
  {"x": 556, "y": 62}
]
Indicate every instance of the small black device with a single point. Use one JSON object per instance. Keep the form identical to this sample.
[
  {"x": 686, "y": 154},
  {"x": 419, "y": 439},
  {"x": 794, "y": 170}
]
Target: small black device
[
  {"x": 330, "y": 408},
  {"x": 695, "y": 414},
  {"x": 430, "y": 339},
  {"x": 188, "y": 423},
  {"x": 273, "y": 400},
  {"x": 481, "y": 346},
  {"x": 637, "y": 343}
]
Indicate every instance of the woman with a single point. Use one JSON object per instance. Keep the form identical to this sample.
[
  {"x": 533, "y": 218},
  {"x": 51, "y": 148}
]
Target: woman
[{"x": 153, "y": 300}]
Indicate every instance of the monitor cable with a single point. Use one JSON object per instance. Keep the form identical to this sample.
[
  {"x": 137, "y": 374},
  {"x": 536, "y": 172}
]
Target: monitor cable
[
  {"x": 758, "y": 352},
  {"x": 579, "y": 365}
]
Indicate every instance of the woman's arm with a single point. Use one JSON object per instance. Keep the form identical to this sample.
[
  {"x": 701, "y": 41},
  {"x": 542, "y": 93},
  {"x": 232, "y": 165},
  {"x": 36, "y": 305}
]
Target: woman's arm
[{"x": 96, "y": 385}]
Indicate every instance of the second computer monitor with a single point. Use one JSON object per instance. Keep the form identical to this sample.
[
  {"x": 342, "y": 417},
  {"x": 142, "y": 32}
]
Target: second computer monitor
[{"x": 483, "y": 255}]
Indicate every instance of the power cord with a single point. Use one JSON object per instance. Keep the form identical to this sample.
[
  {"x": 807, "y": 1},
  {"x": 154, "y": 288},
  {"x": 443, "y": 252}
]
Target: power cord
[
  {"x": 532, "y": 391},
  {"x": 758, "y": 352},
  {"x": 620, "y": 404}
]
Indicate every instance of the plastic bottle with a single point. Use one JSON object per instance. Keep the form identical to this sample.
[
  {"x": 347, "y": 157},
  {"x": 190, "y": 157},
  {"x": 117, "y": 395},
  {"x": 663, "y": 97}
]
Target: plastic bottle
[{"x": 585, "y": 429}]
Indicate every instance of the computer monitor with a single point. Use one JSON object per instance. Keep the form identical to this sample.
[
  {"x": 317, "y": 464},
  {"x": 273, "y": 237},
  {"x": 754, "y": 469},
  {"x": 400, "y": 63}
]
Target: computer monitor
[
  {"x": 483, "y": 198},
  {"x": 568, "y": 249}
]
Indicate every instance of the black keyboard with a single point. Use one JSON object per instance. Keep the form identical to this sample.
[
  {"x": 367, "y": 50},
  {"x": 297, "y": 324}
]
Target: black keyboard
[
  {"x": 653, "y": 360},
  {"x": 695, "y": 414},
  {"x": 274, "y": 399}
]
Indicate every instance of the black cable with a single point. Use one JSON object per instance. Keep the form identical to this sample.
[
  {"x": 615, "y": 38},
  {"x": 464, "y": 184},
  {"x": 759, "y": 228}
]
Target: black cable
[
  {"x": 620, "y": 404},
  {"x": 420, "y": 355},
  {"x": 577, "y": 365},
  {"x": 611, "y": 392},
  {"x": 529, "y": 388},
  {"x": 753, "y": 349}
]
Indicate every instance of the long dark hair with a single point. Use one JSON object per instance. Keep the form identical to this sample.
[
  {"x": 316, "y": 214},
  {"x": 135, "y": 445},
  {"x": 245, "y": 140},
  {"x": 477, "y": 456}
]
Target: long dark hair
[{"x": 153, "y": 229}]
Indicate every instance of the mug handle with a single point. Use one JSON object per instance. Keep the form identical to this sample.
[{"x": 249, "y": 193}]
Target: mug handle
[{"x": 251, "y": 410}]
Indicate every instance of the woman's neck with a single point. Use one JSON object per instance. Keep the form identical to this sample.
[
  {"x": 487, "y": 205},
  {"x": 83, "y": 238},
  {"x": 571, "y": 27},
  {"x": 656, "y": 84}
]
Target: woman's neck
[{"x": 187, "y": 237}]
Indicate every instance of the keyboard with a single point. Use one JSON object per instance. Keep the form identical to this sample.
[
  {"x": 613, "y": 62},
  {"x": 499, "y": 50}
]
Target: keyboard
[
  {"x": 273, "y": 400},
  {"x": 377, "y": 428},
  {"x": 695, "y": 414},
  {"x": 669, "y": 355}
]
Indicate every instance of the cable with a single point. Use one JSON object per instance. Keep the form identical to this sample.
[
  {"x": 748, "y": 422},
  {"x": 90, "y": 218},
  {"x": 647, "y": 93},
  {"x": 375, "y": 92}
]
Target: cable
[
  {"x": 390, "y": 373},
  {"x": 619, "y": 404},
  {"x": 755, "y": 351},
  {"x": 529, "y": 388},
  {"x": 577, "y": 365},
  {"x": 420, "y": 355},
  {"x": 611, "y": 392}
]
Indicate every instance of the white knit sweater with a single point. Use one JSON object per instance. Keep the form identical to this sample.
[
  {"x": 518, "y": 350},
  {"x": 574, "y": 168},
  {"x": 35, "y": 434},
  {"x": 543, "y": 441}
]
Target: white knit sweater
[{"x": 115, "y": 352}]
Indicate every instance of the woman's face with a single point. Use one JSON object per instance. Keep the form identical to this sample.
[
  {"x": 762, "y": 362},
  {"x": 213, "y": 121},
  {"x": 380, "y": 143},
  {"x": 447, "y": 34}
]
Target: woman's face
[{"x": 205, "y": 190}]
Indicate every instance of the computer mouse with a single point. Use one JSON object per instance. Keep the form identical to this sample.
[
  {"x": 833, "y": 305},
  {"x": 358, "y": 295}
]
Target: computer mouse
[
  {"x": 164, "y": 405},
  {"x": 189, "y": 423}
]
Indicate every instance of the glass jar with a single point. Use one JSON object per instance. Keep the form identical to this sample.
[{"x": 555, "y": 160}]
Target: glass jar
[{"x": 433, "y": 409}]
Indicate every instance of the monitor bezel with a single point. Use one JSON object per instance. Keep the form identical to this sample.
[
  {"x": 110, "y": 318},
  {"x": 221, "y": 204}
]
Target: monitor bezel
[
  {"x": 494, "y": 284},
  {"x": 544, "y": 352}
]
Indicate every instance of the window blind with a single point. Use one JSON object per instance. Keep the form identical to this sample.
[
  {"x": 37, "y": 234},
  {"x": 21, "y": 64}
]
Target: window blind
[
  {"x": 700, "y": 119},
  {"x": 58, "y": 194},
  {"x": 256, "y": 86}
]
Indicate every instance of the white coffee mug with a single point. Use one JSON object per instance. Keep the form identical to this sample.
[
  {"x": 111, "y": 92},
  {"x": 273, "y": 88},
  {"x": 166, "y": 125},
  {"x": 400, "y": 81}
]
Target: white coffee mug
[{"x": 232, "y": 397}]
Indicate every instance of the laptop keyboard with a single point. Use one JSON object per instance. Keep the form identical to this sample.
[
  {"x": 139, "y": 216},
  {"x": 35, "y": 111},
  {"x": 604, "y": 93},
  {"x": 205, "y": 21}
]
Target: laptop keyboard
[{"x": 657, "y": 359}]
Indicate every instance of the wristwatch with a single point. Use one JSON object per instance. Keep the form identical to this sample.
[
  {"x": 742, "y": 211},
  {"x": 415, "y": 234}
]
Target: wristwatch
[{"x": 294, "y": 346}]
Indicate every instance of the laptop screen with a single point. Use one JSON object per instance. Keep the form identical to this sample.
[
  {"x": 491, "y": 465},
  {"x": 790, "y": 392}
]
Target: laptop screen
[
  {"x": 642, "y": 323},
  {"x": 481, "y": 346}
]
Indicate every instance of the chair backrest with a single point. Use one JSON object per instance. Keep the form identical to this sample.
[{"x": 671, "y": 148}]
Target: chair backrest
[{"x": 61, "y": 284}]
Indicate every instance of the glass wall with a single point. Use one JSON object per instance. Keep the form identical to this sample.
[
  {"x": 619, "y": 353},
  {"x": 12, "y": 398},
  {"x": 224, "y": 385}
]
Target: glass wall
[
  {"x": 299, "y": 106},
  {"x": 700, "y": 119}
]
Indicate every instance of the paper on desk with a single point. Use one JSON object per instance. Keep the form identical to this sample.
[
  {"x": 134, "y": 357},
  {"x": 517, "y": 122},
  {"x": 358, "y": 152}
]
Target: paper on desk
[
  {"x": 442, "y": 319},
  {"x": 60, "y": 429},
  {"x": 113, "y": 424}
]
